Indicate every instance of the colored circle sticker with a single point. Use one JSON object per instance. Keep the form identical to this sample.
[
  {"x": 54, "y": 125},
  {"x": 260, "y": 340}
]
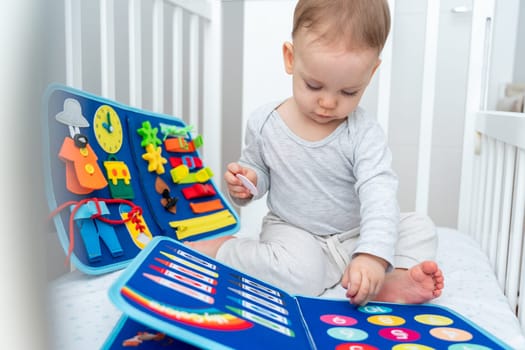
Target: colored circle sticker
[
  {"x": 467, "y": 346},
  {"x": 374, "y": 309},
  {"x": 412, "y": 347},
  {"x": 399, "y": 334},
  {"x": 347, "y": 333},
  {"x": 386, "y": 320},
  {"x": 451, "y": 334},
  {"x": 355, "y": 346},
  {"x": 338, "y": 320},
  {"x": 434, "y": 320}
]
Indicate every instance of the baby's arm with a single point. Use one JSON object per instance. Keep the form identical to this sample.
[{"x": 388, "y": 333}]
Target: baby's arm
[
  {"x": 363, "y": 278},
  {"x": 235, "y": 186}
]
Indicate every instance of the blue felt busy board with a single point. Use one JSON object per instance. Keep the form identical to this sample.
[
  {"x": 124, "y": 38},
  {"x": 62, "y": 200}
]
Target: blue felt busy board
[
  {"x": 172, "y": 296},
  {"x": 118, "y": 176}
]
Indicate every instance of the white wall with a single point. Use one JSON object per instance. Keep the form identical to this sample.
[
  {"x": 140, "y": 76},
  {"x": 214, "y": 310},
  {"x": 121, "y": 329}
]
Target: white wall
[{"x": 267, "y": 25}]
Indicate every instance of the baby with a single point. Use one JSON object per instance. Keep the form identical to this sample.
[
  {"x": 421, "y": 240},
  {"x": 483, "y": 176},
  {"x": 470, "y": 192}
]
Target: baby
[{"x": 326, "y": 168}]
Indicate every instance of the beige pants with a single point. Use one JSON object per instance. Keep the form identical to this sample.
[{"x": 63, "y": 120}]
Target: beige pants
[{"x": 301, "y": 263}]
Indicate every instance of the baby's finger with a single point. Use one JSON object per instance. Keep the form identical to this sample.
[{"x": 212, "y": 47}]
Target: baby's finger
[{"x": 363, "y": 295}]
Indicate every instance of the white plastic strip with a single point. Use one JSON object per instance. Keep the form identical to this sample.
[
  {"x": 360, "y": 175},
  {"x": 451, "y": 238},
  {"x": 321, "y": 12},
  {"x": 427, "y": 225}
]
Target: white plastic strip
[
  {"x": 107, "y": 48},
  {"x": 427, "y": 106},
  {"x": 177, "y": 79},
  {"x": 478, "y": 206},
  {"x": 199, "y": 8},
  {"x": 73, "y": 43},
  {"x": 505, "y": 216},
  {"x": 135, "y": 53},
  {"x": 514, "y": 263},
  {"x": 212, "y": 106},
  {"x": 385, "y": 75},
  {"x": 158, "y": 56},
  {"x": 495, "y": 211},
  {"x": 482, "y": 12},
  {"x": 194, "y": 68},
  {"x": 489, "y": 195}
]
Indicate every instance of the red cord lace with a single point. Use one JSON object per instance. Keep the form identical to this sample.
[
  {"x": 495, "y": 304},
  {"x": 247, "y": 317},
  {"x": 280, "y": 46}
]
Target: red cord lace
[{"x": 133, "y": 215}]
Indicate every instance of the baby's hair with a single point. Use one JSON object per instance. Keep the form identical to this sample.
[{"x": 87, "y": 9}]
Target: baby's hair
[{"x": 354, "y": 23}]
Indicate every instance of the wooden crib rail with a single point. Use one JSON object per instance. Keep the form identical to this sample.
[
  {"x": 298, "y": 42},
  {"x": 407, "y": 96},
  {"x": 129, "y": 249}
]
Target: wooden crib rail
[{"x": 497, "y": 203}]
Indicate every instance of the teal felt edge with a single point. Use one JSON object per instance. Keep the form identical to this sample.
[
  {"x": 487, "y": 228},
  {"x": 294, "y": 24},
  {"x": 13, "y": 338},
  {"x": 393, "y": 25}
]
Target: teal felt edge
[
  {"x": 62, "y": 231},
  {"x": 114, "y": 333},
  {"x": 150, "y": 321}
]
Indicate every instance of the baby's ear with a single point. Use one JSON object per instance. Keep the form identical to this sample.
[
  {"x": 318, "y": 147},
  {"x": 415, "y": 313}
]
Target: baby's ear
[{"x": 288, "y": 57}]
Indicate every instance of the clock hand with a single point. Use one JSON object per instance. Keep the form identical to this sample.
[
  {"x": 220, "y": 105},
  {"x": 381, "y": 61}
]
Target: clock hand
[{"x": 107, "y": 125}]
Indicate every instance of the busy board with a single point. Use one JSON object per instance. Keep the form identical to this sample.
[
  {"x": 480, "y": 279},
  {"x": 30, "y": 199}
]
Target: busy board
[
  {"x": 179, "y": 295},
  {"x": 118, "y": 176}
]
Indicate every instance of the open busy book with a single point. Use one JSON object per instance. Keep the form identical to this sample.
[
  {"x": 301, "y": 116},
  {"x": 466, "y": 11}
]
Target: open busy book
[
  {"x": 173, "y": 296},
  {"x": 117, "y": 176}
]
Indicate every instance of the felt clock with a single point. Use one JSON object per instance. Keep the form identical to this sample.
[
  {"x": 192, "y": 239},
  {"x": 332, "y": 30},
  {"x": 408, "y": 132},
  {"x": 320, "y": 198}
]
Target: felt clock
[{"x": 108, "y": 129}]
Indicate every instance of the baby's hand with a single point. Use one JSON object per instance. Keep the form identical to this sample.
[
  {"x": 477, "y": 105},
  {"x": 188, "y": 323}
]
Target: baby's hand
[
  {"x": 363, "y": 278},
  {"x": 235, "y": 185}
]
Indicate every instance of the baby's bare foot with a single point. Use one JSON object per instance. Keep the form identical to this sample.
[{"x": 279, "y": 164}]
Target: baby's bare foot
[
  {"x": 209, "y": 247},
  {"x": 419, "y": 284}
]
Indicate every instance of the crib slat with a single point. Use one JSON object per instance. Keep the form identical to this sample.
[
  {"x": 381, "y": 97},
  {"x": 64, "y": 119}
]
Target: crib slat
[
  {"x": 488, "y": 195},
  {"x": 474, "y": 191},
  {"x": 177, "y": 80},
  {"x": 520, "y": 214},
  {"x": 158, "y": 56},
  {"x": 135, "y": 53},
  {"x": 499, "y": 155},
  {"x": 478, "y": 220},
  {"x": 73, "y": 43},
  {"x": 194, "y": 63},
  {"x": 107, "y": 48},
  {"x": 516, "y": 232},
  {"x": 427, "y": 106},
  {"x": 506, "y": 205}
]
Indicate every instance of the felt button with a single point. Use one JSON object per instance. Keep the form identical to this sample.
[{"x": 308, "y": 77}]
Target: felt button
[
  {"x": 84, "y": 152},
  {"x": 89, "y": 168}
]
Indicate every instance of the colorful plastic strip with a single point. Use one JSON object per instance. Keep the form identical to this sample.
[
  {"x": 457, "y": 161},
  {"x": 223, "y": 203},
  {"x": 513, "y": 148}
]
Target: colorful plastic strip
[
  {"x": 206, "y": 207},
  {"x": 198, "y": 191},
  {"x": 191, "y": 227}
]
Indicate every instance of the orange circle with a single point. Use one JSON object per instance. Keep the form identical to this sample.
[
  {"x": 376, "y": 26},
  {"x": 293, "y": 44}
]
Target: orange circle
[{"x": 451, "y": 334}]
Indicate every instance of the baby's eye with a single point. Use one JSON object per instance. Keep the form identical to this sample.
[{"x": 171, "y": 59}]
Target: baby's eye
[
  {"x": 349, "y": 93},
  {"x": 312, "y": 86}
]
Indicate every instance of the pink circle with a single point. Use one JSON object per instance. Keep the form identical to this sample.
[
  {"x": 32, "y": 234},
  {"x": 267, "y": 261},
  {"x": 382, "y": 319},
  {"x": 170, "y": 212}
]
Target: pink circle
[
  {"x": 399, "y": 334},
  {"x": 355, "y": 346},
  {"x": 338, "y": 320}
]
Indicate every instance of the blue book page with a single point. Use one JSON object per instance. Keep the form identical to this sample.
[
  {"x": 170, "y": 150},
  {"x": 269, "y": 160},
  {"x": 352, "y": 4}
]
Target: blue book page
[
  {"x": 336, "y": 324},
  {"x": 192, "y": 298}
]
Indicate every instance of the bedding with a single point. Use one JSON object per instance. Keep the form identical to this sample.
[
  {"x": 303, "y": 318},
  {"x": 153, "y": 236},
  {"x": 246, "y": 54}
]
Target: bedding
[{"x": 82, "y": 315}]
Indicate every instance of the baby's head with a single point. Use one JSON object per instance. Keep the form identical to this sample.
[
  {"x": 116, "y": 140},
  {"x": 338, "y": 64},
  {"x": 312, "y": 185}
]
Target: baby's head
[
  {"x": 354, "y": 24},
  {"x": 334, "y": 54}
]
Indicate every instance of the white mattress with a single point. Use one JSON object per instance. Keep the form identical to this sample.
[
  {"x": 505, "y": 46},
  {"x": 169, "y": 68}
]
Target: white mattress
[{"x": 82, "y": 315}]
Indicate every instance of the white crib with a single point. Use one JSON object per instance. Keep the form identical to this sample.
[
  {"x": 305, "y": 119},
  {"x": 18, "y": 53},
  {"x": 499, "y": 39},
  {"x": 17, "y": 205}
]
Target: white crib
[{"x": 165, "y": 56}]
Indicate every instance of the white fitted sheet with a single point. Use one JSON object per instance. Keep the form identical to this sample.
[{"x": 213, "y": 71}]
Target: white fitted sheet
[{"x": 82, "y": 316}]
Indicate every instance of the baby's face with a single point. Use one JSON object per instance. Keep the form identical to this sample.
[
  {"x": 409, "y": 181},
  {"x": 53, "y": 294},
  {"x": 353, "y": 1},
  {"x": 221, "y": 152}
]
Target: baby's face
[{"x": 329, "y": 80}]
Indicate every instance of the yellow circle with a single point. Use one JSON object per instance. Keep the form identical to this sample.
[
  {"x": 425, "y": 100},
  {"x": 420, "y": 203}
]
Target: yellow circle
[
  {"x": 451, "y": 334},
  {"x": 84, "y": 151},
  {"x": 411, "y": 347},
  {"x": 434, "y": 320},
  {"x": 108, "y": 129},
  {"x": 90, "y": 169},
  {"x": 386, "y": 320}
]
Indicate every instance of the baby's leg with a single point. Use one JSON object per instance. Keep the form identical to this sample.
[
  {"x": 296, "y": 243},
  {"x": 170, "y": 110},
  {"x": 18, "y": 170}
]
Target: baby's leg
[
  {"x": 416, "y": 277},
  {"x": 284, "y": 256}
]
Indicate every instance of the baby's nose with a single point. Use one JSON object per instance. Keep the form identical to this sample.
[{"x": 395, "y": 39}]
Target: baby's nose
[{"x": 327, "y": 102}]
